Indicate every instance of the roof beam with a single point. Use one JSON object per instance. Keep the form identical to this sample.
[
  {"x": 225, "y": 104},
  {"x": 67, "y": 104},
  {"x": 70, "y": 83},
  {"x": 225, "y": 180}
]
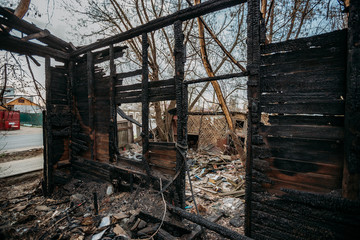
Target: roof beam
[
  {"x": 182, "y": 15},
  {"x": 21, "y": 25},
  {"x": 17, "y": 45}
]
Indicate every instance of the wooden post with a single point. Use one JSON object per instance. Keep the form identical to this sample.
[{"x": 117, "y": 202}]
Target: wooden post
[
  {"x": 71, "y": 104},
  {"x": 182, "y": 111},
  {"x": 351, "y": 174},
  {"x": 48, "y": 153},
  {"x": 145, "y": 102},
  {"x": 91, "y": 99},
  {"x": 253, "y": 92},
  {"x": 113, "y": 114}
]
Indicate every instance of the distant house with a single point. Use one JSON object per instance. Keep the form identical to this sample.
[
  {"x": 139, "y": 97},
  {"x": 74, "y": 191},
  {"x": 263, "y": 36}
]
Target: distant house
[{"x": 23, "y": 105}]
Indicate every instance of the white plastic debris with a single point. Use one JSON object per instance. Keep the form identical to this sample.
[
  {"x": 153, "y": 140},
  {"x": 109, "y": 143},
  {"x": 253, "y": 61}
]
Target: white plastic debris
[{"x": 105, "y": 221}]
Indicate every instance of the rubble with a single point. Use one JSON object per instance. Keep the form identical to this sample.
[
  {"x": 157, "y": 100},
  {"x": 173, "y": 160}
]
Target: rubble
[{"x": 91, "y": 209}]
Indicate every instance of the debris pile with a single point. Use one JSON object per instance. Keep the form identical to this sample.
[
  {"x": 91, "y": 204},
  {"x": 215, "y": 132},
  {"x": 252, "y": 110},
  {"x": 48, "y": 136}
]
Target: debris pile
[
  {"x": 88, "y": 208},
  {"x": 218, "y": 183}
]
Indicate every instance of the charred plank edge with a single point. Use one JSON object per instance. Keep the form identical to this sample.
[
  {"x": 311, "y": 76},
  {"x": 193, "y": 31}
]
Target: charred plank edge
[
  {"x": 222, "y": 77},
  {"x": 183, "y": 15}
]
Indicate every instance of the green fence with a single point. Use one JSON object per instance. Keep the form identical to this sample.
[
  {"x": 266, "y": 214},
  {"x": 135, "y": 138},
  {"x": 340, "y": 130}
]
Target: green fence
[{"x": 31, "y": 118}]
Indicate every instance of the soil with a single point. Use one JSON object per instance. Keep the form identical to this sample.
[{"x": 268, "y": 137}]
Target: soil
[{"x": 13, "y": 156}]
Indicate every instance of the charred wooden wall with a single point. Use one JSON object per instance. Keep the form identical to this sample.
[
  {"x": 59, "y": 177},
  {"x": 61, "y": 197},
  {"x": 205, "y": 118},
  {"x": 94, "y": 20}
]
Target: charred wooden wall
[
  {"x": 91, "y": 127},
  {"x": 57, "y": 126},
  {"x": 295, "y": 167},
  {"x": 302, "y": 87}
]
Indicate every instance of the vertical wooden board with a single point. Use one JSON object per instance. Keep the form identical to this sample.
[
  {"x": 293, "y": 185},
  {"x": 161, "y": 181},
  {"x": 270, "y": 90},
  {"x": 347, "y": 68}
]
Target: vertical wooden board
[
  {"x": 253, "y": 94},
  {"x": 351, "y": 180},
  {"x": 182, "y": 111}
]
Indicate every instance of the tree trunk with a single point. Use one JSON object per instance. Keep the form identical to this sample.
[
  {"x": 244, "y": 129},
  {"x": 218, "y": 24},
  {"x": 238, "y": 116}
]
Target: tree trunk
[
  {"x": 22, "y": 8},
  {"x": 217, "y": 89}
]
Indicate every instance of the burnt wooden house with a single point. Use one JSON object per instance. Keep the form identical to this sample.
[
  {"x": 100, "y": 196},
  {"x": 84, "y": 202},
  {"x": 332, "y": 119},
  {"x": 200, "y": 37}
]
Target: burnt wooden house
[{"x": 303, "y": 164}]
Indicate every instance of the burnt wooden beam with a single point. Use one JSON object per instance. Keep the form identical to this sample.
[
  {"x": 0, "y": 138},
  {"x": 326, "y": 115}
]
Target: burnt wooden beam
[
  {"x": 16, "y": 45},
  {"x": 71, "y": 91},
  {"x": 23, "y": 26},
  {"x": 222, "y": 77},
  {"x": 226, "y": 232},
  {"x": 42, "y": 34},
  {"x": 124, "y": 116},
  {"x": 145, "y": 103},
  {"x": 253, "y": 93},
  {"x": 91, "y": 102},
  {"x": 113, "y": 121},
  {"x": 104, "y": 55},
  {"x": 182, "y": 111},
  {"x": 351, "y": 174},
  {"x": 48, "y": 164},
  {"x": 154, "y": 84},
  {"x": 129, "y": 74},
  {"x": 182, "y": 15}
]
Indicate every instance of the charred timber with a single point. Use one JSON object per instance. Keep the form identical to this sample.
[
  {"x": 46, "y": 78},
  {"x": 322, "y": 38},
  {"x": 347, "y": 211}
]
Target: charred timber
[
  {"x": 222, "y": 77},
  {"x": 253, "y": 93},
  {"x": 182, "y": 15},
  {"x": 209, "y": 225},
  {"x": 28, "y": 28},
  {"x": 104, "y": 55},
  {"x": 16, "y": 45}
]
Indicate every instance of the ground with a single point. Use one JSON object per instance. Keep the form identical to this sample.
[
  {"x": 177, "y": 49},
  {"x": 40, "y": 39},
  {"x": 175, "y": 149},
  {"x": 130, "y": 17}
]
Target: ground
[
  {"x": 217, "y": 185},
  {"x": 26, "y": 214}
]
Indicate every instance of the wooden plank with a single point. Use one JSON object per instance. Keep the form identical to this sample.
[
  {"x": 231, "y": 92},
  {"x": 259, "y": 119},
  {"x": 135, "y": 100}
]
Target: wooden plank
[
  {"x": 222, "y": 77},
  {"x": 28, "y": 28},
  {"x": 302, "y": 107},
  {"x": 48, "y": 148},
  {"x": 14, "y": 44},
  {"x": 301, "y": 97},
  {"x": 298, "y": 166},
  {"x": 153, "y": 84},
  {"x": 306, "y": 120},
  {"x": 181, "y": 110},
  {"x": 183, "y": 14},
  {"x": 311, "y": 132},
  {"x": 319, "y": 81},
  {"x": 128, "y": 74},
  {"x": 91, "y": 99},
  {"x": 160, "y": 152},
  {"x": 308, "y": 150},
  {"x": 327, "y": 39},
  {"x": 113, "y": 114},
  {"x": 322, "y": 52},
  {"x": 253, "y": 94},
  {"x": 351, "y": 180},
  {"x": 145, "y": 102},
  {"x": 304, "y": 66},
  {"x": 151, "y": 99},
  {"x": 162, "y": 162},
  {"x": 278, "y": 184}
]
